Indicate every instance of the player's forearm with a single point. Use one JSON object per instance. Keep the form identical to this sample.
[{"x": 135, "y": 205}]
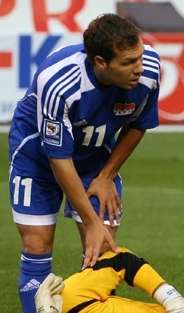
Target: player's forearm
[
  {"x": 124, "y": 148},
  {"x": 71, "y": 185}
]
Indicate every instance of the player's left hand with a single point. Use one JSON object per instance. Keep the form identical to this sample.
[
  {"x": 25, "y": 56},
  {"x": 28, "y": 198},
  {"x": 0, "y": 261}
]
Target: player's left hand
[
  {"x": 96, "y": 235},
  {"x": 48, "y": 298},
  {"x": 104, "y": 189}
]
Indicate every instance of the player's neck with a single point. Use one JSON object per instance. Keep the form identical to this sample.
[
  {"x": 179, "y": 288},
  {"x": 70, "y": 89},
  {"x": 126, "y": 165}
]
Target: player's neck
[{"x": 101, "y": 77}]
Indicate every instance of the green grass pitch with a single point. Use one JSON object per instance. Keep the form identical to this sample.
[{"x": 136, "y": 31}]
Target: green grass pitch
[{"x": 153, "y": 224}]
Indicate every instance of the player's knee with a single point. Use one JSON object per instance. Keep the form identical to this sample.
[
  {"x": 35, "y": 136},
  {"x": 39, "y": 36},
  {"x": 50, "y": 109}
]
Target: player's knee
[
  {"x": 36, "y": 244},
  {"x": 37, "y": 240}
]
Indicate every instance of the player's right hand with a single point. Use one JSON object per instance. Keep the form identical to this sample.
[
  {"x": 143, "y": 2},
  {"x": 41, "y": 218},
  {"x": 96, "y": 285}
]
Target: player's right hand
[
  {"x": 96, "y": 235},
  {"x": 48, "y": 298}
]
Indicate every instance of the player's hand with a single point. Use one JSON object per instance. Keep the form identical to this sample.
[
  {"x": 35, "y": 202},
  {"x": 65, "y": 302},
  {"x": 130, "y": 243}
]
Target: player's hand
[
  {"x": 96, "y": 235},
  {"x": 48, "y": 298},
  {"x": 104, "y": 189},
  {"x": 175, "y": 305}
]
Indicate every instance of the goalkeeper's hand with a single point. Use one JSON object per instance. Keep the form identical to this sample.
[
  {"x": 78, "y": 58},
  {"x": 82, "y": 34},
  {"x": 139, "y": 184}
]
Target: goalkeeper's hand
[
  {"x": 175, "y": 305},
  {"x": 47, "y": 298}
]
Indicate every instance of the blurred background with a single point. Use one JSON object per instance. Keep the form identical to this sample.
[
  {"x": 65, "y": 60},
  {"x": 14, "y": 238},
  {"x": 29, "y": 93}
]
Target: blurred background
[
  {"x": 31, "y": 29},
  {"x": 153, "y": 224}
]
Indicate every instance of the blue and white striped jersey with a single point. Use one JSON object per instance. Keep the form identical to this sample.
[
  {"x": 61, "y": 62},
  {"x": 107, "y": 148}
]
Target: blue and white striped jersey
[{"x": 67, "y": 113}]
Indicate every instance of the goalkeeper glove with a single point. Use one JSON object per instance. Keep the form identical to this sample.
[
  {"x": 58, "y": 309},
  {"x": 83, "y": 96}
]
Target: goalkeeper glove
[{"x": 47, "y": 298}]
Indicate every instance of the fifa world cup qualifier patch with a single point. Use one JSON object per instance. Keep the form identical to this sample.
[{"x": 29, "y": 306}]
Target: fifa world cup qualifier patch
[{"x": 52, "y": 132}]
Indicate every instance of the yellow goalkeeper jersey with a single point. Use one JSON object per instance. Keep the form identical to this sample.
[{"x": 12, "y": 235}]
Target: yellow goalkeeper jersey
[{"x": 91, "y": 290}]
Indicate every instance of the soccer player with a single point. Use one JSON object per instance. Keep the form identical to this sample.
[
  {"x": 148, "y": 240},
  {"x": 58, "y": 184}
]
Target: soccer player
[
  {"x": 62, "y": 139},
  {"x": 90, "y": 291}
]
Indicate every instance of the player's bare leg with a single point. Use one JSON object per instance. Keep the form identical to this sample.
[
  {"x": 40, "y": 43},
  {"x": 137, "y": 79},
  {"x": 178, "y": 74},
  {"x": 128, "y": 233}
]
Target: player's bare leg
[{"x": 37, "y": 239}]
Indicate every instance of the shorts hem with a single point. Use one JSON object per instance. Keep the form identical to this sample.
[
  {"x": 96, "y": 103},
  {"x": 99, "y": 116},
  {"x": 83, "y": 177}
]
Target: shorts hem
[
  {"x": 78, "y": 219},
  {"x": 34, "y": 220}
]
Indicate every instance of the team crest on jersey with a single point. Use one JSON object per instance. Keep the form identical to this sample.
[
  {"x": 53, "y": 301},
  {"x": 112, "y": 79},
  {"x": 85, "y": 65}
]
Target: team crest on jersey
[
  {"x": 124, "y": 108},
  {"x": 52, "y": 132}
]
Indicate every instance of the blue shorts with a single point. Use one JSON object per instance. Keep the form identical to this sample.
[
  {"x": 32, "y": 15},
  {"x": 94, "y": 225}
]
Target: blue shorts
[
  {"x": 69, "y": 210},
  {"x": 34, "y": 201},
  {"x": 38, "y": 201}
]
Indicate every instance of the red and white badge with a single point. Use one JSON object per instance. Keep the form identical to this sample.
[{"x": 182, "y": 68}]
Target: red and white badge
[{"x": 124, "y": 108}]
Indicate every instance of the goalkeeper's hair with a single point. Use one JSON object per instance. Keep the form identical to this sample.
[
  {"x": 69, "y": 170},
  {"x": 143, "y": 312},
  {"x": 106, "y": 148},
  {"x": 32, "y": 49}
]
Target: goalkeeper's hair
[{"x": 107, "y": 33}]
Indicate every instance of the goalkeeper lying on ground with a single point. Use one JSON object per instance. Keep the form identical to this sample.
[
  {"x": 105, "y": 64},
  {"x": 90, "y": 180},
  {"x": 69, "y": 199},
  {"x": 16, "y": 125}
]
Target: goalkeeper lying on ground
[{"x": 90, "y": 291}]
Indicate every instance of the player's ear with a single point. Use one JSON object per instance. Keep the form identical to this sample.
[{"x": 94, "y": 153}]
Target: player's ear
[{"x": 100, "y": 62}]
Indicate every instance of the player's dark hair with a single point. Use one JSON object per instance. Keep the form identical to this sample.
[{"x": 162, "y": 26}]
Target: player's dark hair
[{"x": 107, "y": 33}]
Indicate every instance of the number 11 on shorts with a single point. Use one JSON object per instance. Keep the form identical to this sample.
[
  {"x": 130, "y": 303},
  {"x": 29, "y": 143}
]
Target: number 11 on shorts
[{"x": 25, "y": 183}]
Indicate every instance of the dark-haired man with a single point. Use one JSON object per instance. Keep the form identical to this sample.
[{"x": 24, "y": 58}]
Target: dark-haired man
[{"x": 62, "y": 139}]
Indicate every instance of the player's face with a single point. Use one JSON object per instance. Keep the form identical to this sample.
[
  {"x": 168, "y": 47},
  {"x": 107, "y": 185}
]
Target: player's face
[{"x": 125, "y": 69}]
